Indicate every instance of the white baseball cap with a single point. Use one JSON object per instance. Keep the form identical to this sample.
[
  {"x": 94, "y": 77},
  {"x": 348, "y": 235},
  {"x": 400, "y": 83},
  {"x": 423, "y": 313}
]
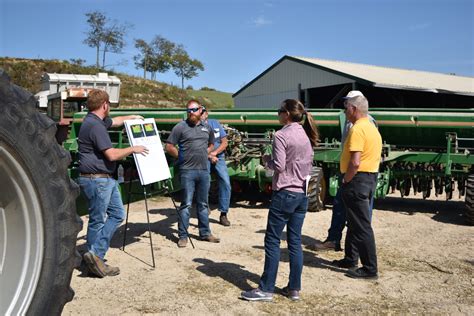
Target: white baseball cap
[{"x": 353, "y": 94}]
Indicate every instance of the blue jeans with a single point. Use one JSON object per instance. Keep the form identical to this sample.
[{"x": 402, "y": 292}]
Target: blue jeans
[
  {"x": 223, "y": 179},
  {"x": 338, "y": 219},
  {"x": 194, "y": 181},
  {"x": 286, "y": 208},
  {"x": 106, "y": 212}
]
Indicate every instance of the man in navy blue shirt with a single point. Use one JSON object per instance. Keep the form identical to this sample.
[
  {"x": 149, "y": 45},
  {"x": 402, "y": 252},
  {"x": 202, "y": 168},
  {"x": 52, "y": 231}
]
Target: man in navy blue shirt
[
  {"x": 97, "y": 159},
  {"x": 217, "y": 164}
]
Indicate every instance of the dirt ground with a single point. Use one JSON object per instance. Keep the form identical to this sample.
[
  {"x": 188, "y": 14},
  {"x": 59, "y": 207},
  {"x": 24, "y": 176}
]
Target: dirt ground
[{"x": 425, "y": 253}]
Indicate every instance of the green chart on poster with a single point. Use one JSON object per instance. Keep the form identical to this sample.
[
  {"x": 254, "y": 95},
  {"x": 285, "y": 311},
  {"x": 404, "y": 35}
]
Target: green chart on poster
[{"x": 153, "y": 167}]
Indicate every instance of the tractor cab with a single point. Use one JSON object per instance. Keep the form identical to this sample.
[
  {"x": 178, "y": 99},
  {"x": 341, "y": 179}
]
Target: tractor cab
[{"x": 62, "y": 106}]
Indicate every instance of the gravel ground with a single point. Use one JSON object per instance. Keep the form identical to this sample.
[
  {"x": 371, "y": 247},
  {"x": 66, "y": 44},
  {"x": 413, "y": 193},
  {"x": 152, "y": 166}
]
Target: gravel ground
[{"x": 425, "y": 253}]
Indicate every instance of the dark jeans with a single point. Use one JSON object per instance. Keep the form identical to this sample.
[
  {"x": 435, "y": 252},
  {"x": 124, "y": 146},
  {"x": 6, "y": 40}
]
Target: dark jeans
[
  {"x": 360, "y": 239},
  {"x": 286, "y": 208},
  {"x": 338, "y": 219},
  {"x": 224, "y": 187},
  {"x": 194, "y": 181}
]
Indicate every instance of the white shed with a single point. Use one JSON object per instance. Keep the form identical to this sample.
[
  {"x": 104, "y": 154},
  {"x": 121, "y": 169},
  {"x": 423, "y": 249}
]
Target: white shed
[{"x": 54, "y": 83}]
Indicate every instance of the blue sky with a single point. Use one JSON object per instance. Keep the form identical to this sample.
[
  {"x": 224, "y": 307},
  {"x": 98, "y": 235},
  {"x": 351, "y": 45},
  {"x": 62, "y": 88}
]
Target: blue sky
[{"x": 238, "y": 39}]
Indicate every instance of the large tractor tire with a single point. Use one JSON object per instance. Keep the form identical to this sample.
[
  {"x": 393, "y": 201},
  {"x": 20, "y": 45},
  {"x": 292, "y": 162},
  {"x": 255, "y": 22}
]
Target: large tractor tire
[
  {"x": 470, "y": 199},
  {"x": 38, "y": 221},
  {"x": 316, "y": 190}
]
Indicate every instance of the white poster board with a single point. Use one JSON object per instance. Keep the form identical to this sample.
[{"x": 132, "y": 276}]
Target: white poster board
[{"x": 153, "y": 167}]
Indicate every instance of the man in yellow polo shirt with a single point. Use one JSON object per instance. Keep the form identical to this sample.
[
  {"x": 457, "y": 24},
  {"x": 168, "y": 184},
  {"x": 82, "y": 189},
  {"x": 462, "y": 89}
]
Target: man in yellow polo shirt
[{"x": 359, "y": 164}]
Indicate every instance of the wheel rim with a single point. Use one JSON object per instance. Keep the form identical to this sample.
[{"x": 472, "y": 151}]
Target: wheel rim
[{"x": 21, "y": 235}]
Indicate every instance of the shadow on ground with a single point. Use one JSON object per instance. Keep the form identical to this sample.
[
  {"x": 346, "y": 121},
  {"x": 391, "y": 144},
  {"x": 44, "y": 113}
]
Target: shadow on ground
[
  {"x": 231, "y": 272},
  {"x": 163, "y": 227},
  {"x": 451, "y": 212},
  {"x": 310, "y": 259}
]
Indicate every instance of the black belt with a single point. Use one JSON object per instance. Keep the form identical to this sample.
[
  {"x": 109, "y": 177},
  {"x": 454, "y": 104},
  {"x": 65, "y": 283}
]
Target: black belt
[{"x": 95, "y": 175}]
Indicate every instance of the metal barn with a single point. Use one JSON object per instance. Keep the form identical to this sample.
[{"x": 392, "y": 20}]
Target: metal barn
[{"x": 320, "y": 83}]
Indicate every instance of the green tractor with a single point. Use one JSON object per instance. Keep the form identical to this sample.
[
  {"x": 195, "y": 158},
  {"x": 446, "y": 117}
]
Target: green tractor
[{"x": 426, "y": 151}]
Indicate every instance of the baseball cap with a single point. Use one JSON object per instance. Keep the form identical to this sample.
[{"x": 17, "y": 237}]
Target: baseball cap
[{"x": 353, "y": 94}]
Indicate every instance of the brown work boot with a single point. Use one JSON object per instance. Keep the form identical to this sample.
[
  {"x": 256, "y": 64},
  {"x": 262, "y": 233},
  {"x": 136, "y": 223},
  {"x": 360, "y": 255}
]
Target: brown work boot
[
  {"x": 182, "y": 242},
  {"x": 326, "y": 245},
  {"x": 95, "y": 264},
  {"x": 211, "y": 238},
  {"x": 224, "y": 220},
  {"x": 111, "y": 271}
]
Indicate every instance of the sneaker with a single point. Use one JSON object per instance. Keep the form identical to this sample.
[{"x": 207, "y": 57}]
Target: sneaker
[
  {"x": 344, "y": 263},
  {"x": 95, "y": 264},
  {"x": 111, "y": 271},
  {"x": 182, "y": 242},
  {"x": 326, "y": 245},
  {"x": 211, "y": 238},
  {"x": 256, "y": 295},
  {"x": 293, "y": 295},
  {"x": 224, "y": 220},
  {"x": 361, "y": 273}
]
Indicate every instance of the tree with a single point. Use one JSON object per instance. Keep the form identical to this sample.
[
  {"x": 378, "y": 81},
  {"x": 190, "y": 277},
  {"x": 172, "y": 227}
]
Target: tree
[
  {"x": 77, "y": 61},
  {"x": 95, "y": 35},
  {"x": 183, "y": 66},
  {"x": 155, "y": 56},
  {"x": 142, "y": 60},
  {"x": 105, "y": 34},
  {"x": 114, "y": 41},
  {"x": 162, "y": 57}
]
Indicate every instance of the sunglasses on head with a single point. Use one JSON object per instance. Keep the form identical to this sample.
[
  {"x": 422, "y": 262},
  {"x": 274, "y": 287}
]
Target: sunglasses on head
[
  {"x": 192, "y": 110},
  {"x": 281, "y": 111}
]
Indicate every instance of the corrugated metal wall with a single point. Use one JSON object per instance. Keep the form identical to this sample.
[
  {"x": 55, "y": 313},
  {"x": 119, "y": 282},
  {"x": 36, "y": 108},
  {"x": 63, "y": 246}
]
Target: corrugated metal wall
[
  {"x": 282, "y": 82},
  {"x": 264, "y": 101}
]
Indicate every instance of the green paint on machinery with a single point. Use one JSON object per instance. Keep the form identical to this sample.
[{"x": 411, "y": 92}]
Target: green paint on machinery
[{"x": 425, "y": 150}]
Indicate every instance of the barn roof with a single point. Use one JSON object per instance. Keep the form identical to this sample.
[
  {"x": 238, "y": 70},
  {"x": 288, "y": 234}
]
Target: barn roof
[{"x": 386, "y": 77}]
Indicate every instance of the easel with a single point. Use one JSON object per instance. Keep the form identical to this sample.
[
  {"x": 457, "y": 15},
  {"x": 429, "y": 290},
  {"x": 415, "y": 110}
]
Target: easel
[{"x": 130, "y": 193}]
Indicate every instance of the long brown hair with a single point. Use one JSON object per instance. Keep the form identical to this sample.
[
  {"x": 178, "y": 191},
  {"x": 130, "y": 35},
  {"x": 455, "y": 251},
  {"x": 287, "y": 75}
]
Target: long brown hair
[{"x": 297, "y": 112}]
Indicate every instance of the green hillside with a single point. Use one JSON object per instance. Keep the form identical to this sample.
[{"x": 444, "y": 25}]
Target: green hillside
[
  {"x": 223, "y": 99},
  {"x": 135, "y": 92}
]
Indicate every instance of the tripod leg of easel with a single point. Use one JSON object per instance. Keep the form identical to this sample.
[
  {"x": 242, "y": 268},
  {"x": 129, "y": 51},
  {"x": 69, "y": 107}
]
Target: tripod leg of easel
[
  {"x": 149, "y": 227},
  {"x": 128, "y": 208}
]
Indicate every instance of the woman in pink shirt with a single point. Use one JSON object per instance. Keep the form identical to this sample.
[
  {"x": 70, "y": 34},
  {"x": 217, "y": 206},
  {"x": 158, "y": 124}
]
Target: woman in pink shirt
[{"x": 292, "y": 162}]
